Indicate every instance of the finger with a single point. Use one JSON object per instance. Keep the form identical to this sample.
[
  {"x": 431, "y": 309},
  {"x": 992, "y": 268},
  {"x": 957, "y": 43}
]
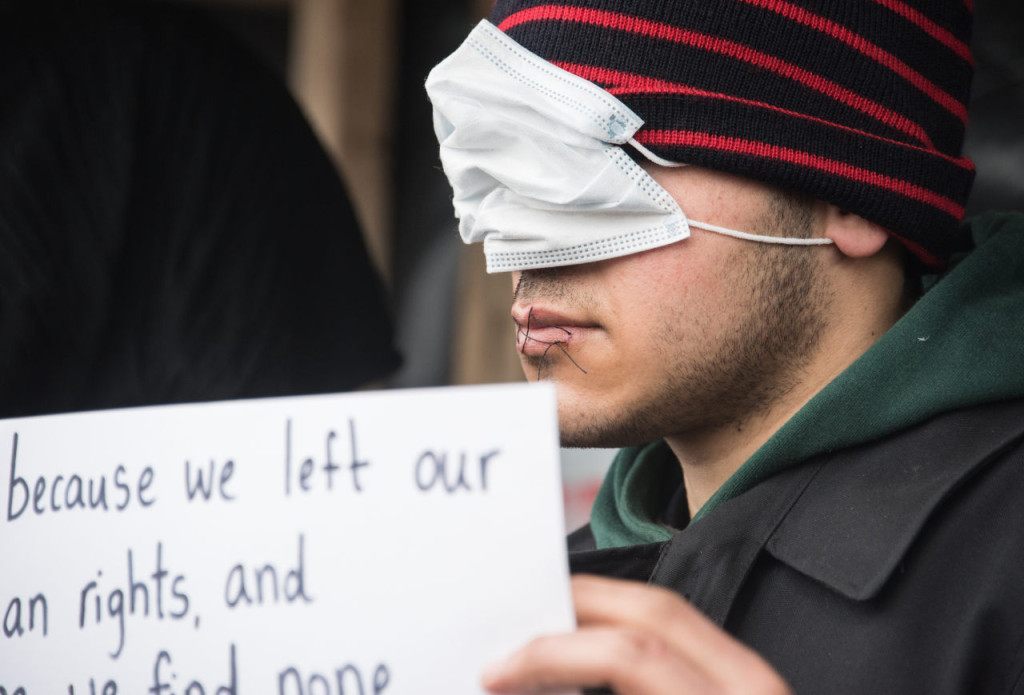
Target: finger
[
  {"x": 611, "y": 602},
  {"x": 630, "y": 662},
  {"x": 602, "y": 601}
]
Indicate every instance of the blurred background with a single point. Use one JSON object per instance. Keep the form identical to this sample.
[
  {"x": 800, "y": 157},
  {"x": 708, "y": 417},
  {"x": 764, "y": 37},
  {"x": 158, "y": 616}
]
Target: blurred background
[{"x": 357, "y": 68}]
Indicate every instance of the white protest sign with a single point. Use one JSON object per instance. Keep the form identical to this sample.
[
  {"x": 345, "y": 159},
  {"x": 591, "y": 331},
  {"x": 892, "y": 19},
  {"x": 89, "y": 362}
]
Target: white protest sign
[{"x": 389, "y": 542}]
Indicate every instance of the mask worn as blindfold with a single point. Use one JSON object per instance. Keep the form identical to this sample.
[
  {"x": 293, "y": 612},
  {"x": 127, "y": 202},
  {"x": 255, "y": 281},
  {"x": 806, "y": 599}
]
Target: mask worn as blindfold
[{"x": 535, "y": 158}]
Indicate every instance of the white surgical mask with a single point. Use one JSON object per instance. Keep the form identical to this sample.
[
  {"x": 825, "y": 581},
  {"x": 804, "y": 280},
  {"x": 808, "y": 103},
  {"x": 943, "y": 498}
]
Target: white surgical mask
[{"x": 535, "y": 158}]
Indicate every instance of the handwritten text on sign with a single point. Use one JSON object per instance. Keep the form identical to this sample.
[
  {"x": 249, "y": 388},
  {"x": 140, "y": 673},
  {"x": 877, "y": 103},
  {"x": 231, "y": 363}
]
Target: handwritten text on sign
[{"x": 372, "y": 543}]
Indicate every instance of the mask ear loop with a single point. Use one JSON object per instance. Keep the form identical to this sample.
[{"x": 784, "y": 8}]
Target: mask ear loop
[
  {"x": 660, "y": 161},
  {"x": 747, "y": 236},
  {"x": 785, "y": 240}
]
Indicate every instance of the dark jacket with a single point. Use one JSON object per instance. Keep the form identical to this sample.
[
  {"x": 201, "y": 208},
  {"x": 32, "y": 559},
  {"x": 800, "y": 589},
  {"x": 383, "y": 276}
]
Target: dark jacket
[
  {"x": 875, "y": 544},
  {"x": 893, "y": 567}
]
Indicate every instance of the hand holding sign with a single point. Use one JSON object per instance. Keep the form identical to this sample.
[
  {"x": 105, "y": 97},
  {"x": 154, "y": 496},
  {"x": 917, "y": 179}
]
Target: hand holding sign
[{"x": 372, "y": 543}]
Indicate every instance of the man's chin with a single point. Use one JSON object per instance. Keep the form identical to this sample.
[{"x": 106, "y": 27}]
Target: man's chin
[
  {"x": 596, "y": 439},
  {"x": 588, "y": 430}
]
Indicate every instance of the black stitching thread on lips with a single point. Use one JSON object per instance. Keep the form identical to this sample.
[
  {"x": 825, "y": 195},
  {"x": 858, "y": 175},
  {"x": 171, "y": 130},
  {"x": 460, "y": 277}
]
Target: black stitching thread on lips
[{"x": 560, "y": 344}]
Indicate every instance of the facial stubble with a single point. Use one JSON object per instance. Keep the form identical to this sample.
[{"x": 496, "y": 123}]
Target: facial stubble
[
  {"x": 709, "y": 377},
  {"x": 724, "y": 377}
]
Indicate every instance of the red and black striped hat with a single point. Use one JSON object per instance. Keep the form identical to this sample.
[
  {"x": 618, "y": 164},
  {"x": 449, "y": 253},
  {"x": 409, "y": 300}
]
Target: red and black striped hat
[{"x": 858, "y": 102}]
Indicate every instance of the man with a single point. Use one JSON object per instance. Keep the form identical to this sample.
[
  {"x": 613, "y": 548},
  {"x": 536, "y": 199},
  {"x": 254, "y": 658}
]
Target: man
[{"x": 822, "y": 489}]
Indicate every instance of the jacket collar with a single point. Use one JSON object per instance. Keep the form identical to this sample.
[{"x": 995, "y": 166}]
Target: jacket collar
[
  {"x": 858, "y": 515},
  {"x": 844, "y": 519}
]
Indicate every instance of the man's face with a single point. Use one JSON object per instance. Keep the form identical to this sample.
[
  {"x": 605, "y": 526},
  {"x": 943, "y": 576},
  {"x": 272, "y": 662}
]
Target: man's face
[{"x": 698, "y": 334}]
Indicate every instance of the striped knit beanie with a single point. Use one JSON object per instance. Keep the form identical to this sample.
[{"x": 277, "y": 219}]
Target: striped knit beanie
[{"x": 861, "y": 103}]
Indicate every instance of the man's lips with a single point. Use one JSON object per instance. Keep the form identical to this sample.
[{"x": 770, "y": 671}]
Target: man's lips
[{"x": 540, "y": 330}]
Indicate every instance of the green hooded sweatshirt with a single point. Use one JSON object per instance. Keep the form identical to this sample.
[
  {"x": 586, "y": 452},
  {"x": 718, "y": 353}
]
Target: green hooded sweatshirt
[{"x": 960, "y": 345}]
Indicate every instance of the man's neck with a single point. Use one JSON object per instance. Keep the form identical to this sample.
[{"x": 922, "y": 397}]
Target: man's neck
[{"x": 710, "y": 456}]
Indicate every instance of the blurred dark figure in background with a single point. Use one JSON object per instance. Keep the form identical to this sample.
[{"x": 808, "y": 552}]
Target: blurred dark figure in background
[
  {"x": 995, "y": 138},
  {"x": 170, "y": 228}
]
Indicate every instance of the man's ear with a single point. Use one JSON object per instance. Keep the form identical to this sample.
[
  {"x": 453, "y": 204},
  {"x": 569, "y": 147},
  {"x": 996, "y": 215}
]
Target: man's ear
[{"x": 854, "y": 236}]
